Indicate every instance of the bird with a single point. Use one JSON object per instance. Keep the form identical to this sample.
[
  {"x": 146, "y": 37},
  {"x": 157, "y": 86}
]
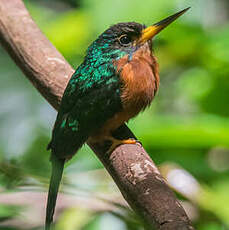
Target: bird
[{"x": 118, "y": 78}]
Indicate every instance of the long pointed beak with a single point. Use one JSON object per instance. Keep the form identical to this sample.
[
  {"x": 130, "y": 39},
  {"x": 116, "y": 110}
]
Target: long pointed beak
[{"x": 151, "y": 31}]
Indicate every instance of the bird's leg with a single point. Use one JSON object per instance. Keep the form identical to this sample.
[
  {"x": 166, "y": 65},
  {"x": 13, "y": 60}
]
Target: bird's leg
[
  {"x": 117, "y": 142},
  {"x": 114, "y": 142}
]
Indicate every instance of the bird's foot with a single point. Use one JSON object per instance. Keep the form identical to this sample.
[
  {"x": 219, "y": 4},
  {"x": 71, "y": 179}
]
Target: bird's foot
[{"x": 116, "y": 143}]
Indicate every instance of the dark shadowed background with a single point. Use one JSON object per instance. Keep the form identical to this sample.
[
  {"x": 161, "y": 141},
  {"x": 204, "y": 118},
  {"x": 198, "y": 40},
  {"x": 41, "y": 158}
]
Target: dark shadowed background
[{"x": 186, "y": 130}]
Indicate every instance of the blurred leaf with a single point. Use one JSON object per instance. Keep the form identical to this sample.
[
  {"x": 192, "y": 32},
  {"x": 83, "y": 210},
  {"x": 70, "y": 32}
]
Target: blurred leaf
[
  {"x": 165, "y": 132},
  {"x": 74, "y": 219},
  {"x": 9, "y": 211},
  {"x": 214, "y": 200},
  {"x": 76, "y": 28}
]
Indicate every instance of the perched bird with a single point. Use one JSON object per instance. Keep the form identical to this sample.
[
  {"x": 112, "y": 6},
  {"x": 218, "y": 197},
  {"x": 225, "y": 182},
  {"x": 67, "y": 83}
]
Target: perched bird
[{"x": 117, "y": 79}]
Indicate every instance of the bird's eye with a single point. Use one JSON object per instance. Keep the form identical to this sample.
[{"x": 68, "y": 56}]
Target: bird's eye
[{"x": 125, "y": 40}]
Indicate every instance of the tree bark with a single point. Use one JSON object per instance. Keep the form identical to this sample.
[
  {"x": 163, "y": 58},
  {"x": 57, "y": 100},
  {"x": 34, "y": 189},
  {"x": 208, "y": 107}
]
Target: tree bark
[{"x": 130, "y": 166}]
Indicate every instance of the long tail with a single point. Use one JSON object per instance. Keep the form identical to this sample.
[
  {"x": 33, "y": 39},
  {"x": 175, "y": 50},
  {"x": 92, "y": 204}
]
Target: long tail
[{"x": 57, "y": 171}]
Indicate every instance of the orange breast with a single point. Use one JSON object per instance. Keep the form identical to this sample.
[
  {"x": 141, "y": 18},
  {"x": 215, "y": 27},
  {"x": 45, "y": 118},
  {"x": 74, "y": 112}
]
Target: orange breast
[{"x": 140, "y": 80}]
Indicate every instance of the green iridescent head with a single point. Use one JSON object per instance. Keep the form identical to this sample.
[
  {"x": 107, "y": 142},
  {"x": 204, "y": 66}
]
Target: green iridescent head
[
  {"x": 126, "y": 38},
  {"x": 117, "y": 41}
]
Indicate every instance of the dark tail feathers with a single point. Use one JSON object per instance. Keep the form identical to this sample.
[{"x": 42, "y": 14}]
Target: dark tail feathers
[{"x": 57, "y": 171}]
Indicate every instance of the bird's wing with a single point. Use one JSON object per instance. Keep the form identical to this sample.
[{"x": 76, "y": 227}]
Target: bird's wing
[{"x": 87, "y": 103}]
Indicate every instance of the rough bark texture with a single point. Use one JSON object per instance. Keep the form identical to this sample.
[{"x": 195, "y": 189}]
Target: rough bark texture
[{"x": 130, "y": 166}]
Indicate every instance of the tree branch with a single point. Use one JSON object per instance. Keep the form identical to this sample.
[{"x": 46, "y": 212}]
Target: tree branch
[{"x": 130, "y": 166}]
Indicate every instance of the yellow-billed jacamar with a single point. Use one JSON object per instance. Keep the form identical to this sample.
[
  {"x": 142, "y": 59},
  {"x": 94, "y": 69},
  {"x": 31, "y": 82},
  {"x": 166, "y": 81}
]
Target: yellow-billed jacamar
[{"x": 117, "y": 79}]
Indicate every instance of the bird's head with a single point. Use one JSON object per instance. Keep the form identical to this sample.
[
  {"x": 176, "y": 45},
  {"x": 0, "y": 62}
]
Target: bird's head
[{"x": 126, "y": 38}]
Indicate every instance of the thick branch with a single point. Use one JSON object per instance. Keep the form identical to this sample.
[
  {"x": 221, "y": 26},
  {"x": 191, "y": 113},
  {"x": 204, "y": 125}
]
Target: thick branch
[{"x": 131, "y": 168}]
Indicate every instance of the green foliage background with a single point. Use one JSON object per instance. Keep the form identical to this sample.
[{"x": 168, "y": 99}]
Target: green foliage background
[{"x": 186, "y": 130}]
